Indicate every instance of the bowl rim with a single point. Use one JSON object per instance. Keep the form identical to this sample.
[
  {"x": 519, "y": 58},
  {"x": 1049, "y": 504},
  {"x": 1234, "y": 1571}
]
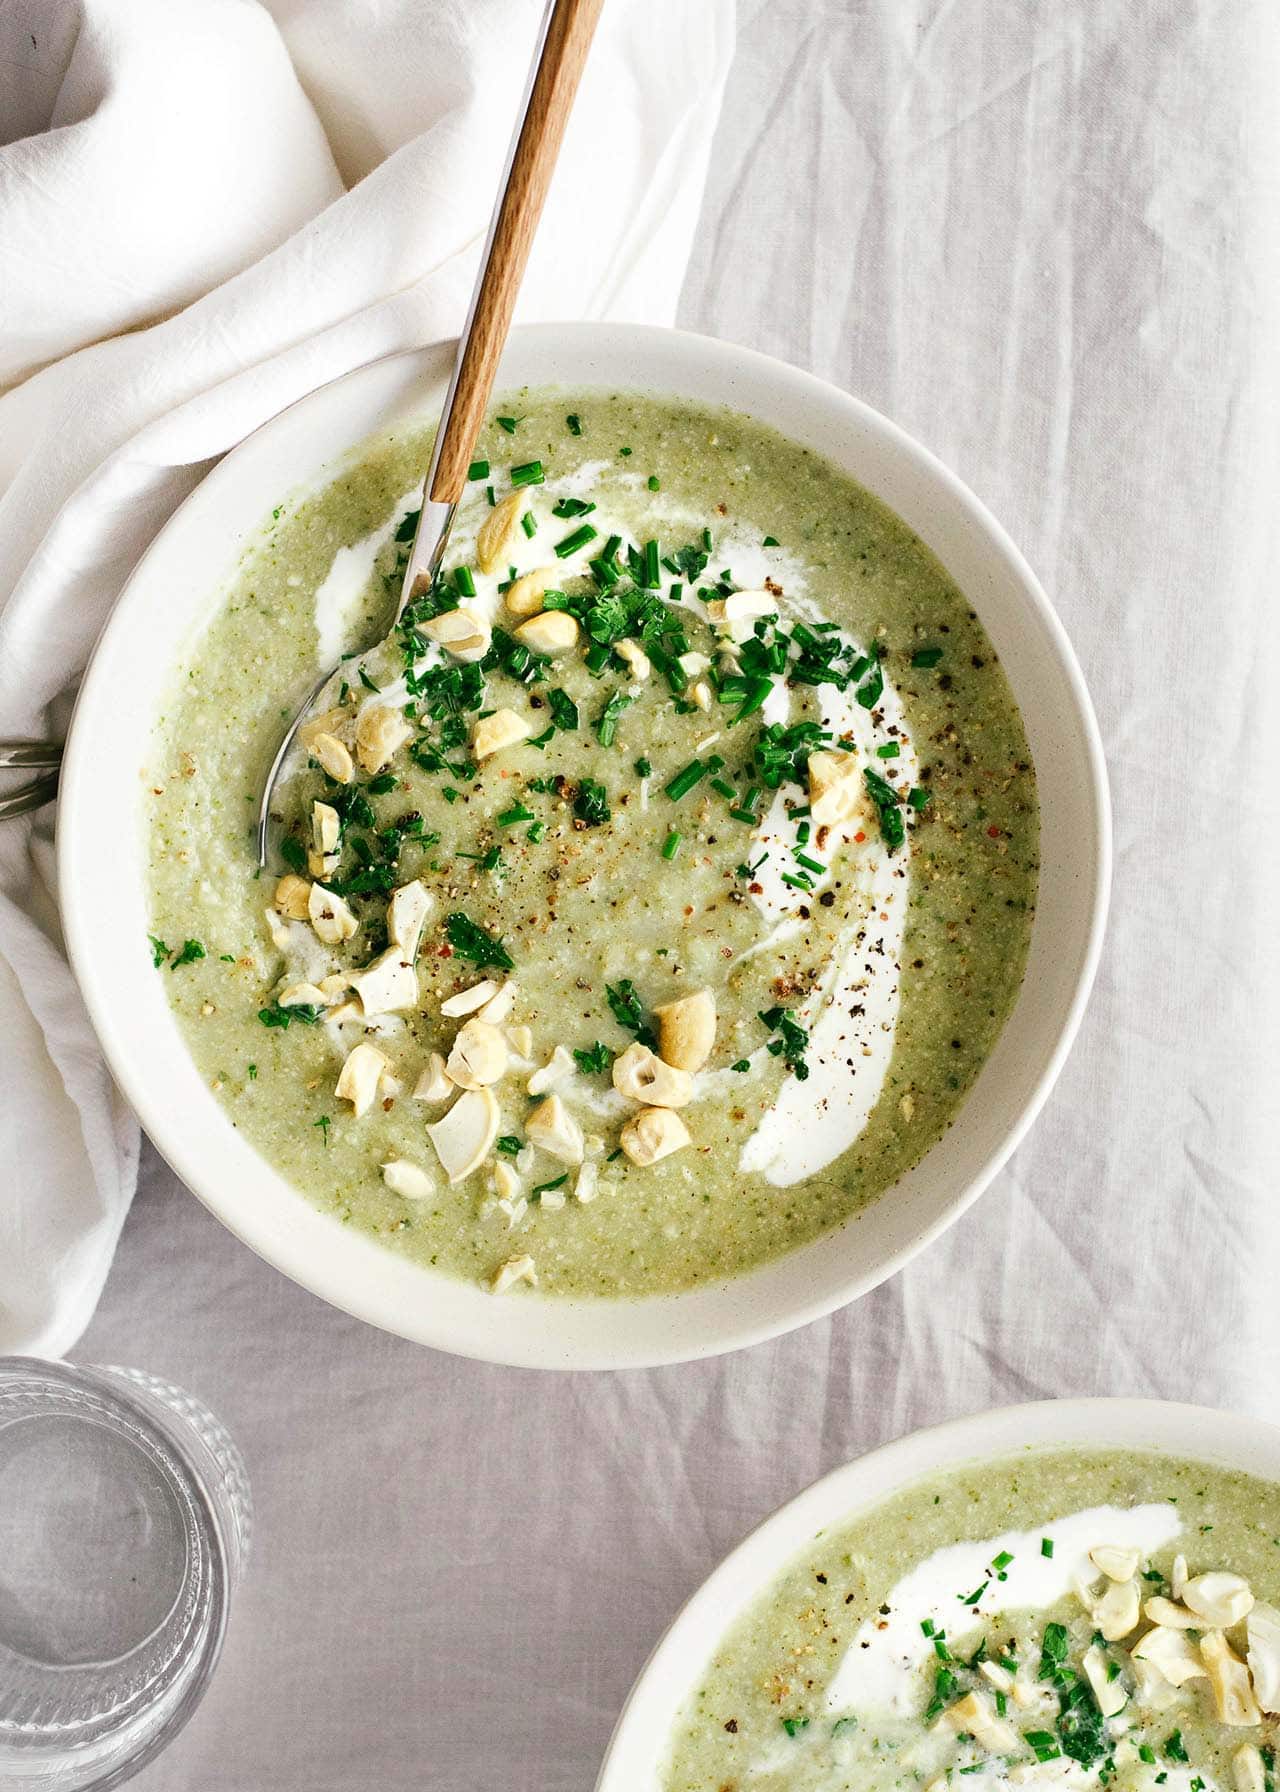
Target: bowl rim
[
  {"x": 1201, "y": 1434},
  {"x": 614, "y": 1349}
]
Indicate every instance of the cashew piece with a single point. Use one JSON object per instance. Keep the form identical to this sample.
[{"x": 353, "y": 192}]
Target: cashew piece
[{"x": 687, "y": 1030}]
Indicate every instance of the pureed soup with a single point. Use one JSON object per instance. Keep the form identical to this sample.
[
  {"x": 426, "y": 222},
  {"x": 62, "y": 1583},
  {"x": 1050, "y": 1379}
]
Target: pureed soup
[
  {"x": 1061, "y": 1619},
  {"x": 649, "y": 906}
]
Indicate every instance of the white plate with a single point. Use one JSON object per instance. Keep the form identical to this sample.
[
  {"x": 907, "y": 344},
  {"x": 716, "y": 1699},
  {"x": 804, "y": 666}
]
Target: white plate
[
  {"x": 102, "y": 862},
  {"x": 638, "y": 1747}
]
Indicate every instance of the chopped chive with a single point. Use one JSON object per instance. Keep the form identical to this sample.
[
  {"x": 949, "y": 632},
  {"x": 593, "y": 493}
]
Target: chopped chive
[
  {"x": 571, "y": 507},
  {"x": 479, "y": 469},
  {"x": 919, "y": 797},
  {"x": 509, "y": 424},
  {"x": 529, "y": 523},
  {"x": 536, "y": 832},
  {"x": 802, "y": 858},
  {"x": 367, "y": 682},
  {"x": 747, "y": 815},
  {"x": 464, "y": 579},
  {"x": 799, "y": 882},
  {"x": 655, "y": 484},
  {"x": 578, "y": 539},
  {"x": 671, "y": 845},
  {"x": 491, "y": 495},
  {"x": 1046, "y": 1546},
  {"x": 770, "y": 541},
  {"x": 743, "y": 1064},
  {"x": 508, "y": 1144},
  {"x": 926, "y": 656},
  {"x": 545, "y": 1188},
  {"x": 528, "y": 473},
  {"x": 1002, "y": 1560},
  {"x": 890, "y": 750},
  {"x": 684, "y": 781},
  {"x": 574, "y": 423},
  {"x": 607, "y": 721},
  {"x": 802, "y": 834},
  {"x": 724, "y": 789},
  {"x": 624, "y": 451},
  {"x": 652, "y": 570},
  {"x": 516, "y": 813}
]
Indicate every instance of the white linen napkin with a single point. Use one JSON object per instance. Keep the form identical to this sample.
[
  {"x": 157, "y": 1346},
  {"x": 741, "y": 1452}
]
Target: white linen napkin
[{"x": 208, "y": 208}]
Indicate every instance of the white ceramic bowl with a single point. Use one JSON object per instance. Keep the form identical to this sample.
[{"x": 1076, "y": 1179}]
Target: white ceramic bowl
[
  {"x": 636, "y": 1752},
  {"x": 171, "y": 596}
]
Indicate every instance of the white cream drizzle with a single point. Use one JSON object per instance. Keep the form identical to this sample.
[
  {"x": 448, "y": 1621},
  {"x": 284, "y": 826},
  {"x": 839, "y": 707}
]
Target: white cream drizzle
[
  {"x": 880, "y": 1669},
  {"x": 345, "y": 583}
]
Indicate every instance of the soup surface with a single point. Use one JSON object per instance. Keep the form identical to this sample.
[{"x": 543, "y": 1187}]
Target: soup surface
[
  {"x": 1059, "y": 1619},
  {"x": 650, "y": 904}
]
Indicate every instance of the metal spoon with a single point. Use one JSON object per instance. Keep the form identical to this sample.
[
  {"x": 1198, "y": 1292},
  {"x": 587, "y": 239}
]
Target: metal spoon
[
  {"x": 565, "y": 38},
  {"x": 43, "y": 756}
]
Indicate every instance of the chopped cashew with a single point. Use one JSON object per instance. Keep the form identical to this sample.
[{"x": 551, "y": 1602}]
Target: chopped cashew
[
  {"x": 587, "y": 1183},
  {"x": 1174, "y": 1617},
  {"x": 973, "y": 1714},
  {"x": 331, "y": 919},
  {"x": 1179, "y": 1577},
  {"x": 557, "y": 1067},
  {"x": 380, "y": 734},
  {"x": 326, "y": 825},
  {"x": 468, "y": 1000},
  {"x": 502, "y": 729},
  {"x": 999, "y": 1676},
  {"x": 328, "y": 723},
  {"x": 479, "y": 1055},
  {"x": 387, "y": 985},
  {"x": 463, "y": 633},
  {"x": 464, "y": 1137},
  {"x": 409, "y": 1180},
  {"x": 644, "y": 1077},
  {"x": 407, "y": 914},
  {"x": 687, "y": 1030},
  {"x": 654, "y": 1133},
  {"x": 497, "y": 530},
  {"x": 433, "y": 1084},
  {"x": 1117, "y": 1612},
  {"x": 701, "y": 694},
  {"x": 499, "y": 1006},
  {"x": 1115, "y": 1563},
  {"x": 515, "y": 1269},
  {"x": 634, "y": 658},
  {"x": 329, "y": 753},
  {"x": 360, "y": 1075},
  {"x": 506, "y": 1181},
  {"x": 1247, "y": 1768},
  {"x": 302, "y": 995},
  {"x": 292, "y": 897},
  {"x": 1263, "y": 1630},
  {"x": 693, "y": 664},
  {"x": 1154, "y": 1691},
  {"x": 521, "y": 1038},
  {"x": 837, "y": 793},
  {"x": 736, "y": 615},
  {"x": 1220, "y": 1600},
  {"x": 553, "y": 632},
  {"x": 524, "y": 595},
  {"x": 1229, "y": 1678},
  {"x": 552, "y": 1127},
  {"x": 1172, "y": 1652}
]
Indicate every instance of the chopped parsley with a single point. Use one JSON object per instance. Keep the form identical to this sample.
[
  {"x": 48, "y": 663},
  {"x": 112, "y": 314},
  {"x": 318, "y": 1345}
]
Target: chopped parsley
[
  {"x": 790, "y": 1042},
  {"x": 591, "y": 805},
  {"x": 191, "y": 950},
  {"x": 628, "y": 1011},
  {"x": 159, "y": 950},
  {"x": 794, "y": 1725},
  {"x": 276, "y": 1016},
  {"x": 473, "y": 943},
  {"x": 593, "y": 1060}
]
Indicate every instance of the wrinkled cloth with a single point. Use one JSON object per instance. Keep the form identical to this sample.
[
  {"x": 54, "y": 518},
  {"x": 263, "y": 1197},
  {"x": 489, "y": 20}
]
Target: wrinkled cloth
[
  {"x": 207, "y": 209},
  {"x": 1045, "y": 240}
]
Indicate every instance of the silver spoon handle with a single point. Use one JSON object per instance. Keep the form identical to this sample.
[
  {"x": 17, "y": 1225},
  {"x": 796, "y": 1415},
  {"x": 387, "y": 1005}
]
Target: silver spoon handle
[
  {"x": 30, "y": 796},
  {"x": 37, "y": 755}
]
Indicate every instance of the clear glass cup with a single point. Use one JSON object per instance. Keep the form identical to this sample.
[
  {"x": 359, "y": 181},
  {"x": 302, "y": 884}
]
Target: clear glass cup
[{"x": 124, "y": 1526}]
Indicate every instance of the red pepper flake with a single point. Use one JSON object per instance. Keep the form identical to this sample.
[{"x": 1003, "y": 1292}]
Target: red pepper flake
[
  {"x": 859, "y": 837},
  {"x": 994, "y": 832}
]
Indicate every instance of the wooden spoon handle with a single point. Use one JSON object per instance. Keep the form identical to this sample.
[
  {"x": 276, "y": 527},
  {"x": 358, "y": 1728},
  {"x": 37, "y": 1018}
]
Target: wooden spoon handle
[{"x": 567, "y": 34}]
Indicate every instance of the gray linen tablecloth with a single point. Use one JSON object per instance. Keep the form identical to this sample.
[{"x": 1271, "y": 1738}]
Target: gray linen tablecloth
[{"x": 1046, "y": 239}]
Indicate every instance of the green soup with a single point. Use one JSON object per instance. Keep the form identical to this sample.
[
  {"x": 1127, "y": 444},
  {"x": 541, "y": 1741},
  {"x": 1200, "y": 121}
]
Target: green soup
[
  {"x": 757, "y": 849},
  {"x": 961, "y": 1635}
]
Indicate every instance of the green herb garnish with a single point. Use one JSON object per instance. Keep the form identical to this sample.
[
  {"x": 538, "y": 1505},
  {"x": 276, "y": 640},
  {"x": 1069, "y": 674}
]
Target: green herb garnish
[
  {"x": 593, "y": 1060},
  {"x": 473, "y": 943},
  {"x": 159, "y": 951},
  {"x": 191, "y": 950}
]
